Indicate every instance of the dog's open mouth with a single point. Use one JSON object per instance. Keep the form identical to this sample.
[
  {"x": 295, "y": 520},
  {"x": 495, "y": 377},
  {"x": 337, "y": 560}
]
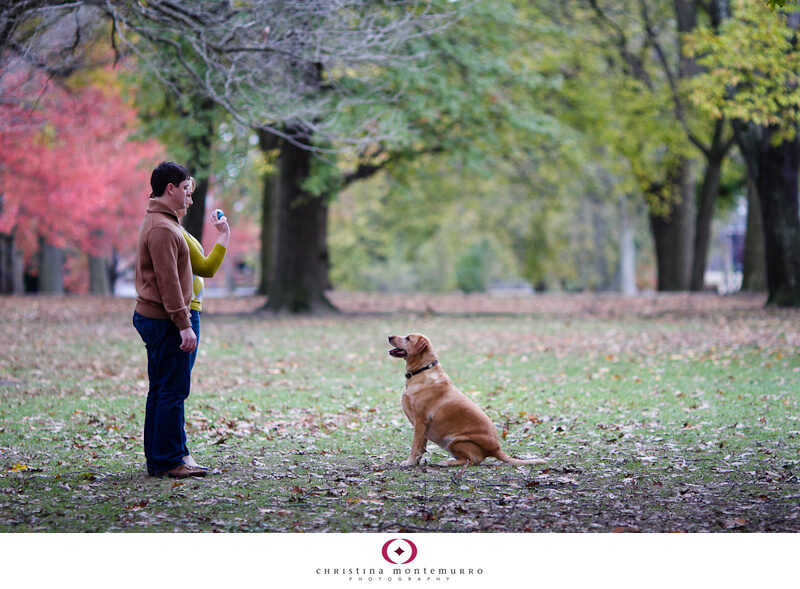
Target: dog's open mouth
[{"x": 398, "y": 353}]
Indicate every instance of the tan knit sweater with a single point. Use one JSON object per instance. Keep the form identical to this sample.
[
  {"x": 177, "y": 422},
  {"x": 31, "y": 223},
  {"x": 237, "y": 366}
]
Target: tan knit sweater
[{"x": 163, "y": 275}]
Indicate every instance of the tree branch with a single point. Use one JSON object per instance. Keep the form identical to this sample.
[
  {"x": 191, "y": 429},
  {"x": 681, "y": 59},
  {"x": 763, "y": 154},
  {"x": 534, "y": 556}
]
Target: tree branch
[
  {"x": 620, "y": 40},
  {"x": 270, "y": 62},
  {"x": 678, "y": 107}
]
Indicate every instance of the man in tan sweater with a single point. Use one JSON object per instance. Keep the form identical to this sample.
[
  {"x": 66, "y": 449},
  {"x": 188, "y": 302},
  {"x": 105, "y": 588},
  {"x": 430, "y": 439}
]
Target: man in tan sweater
[{"x": 163, "y": 281}]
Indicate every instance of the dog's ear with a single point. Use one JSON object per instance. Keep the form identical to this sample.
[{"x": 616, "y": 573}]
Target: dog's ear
[{"x": 420, "y": 345}]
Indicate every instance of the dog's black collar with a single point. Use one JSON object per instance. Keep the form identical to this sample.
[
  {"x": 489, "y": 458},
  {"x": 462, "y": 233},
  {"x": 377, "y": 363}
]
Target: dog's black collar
[{"x": 423, "y": 369}]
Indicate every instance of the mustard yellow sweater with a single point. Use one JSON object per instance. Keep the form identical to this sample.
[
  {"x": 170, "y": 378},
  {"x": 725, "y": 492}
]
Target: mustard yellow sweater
[{"x": 202, "y": 266}]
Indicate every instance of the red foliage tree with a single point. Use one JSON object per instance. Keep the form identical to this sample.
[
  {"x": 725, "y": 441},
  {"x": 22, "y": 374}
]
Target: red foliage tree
[{"x": 70, "y": 173}]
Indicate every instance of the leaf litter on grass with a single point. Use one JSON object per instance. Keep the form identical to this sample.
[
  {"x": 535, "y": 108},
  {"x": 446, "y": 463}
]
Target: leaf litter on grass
[{"x": 674, "y": 413}]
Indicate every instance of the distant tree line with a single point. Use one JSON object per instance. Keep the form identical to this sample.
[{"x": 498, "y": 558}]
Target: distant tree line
[{"x": 639, "y": 99}]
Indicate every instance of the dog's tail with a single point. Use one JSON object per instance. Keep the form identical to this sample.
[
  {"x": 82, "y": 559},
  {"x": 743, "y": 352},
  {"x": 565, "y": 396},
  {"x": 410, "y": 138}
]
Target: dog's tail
[{"x": 500, "y": 455}]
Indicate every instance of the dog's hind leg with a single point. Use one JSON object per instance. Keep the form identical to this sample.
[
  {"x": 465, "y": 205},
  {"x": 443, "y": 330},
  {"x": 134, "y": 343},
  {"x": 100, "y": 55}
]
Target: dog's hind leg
[{"x": 465, "y": 452}]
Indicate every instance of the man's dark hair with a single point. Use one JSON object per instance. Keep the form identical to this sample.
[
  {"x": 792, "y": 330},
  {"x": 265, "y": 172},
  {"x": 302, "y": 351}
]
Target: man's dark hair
[{"x": 167, "y": 173}]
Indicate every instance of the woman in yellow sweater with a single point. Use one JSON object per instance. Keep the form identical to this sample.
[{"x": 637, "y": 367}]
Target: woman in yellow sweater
[{"x": 202, "y": 267}]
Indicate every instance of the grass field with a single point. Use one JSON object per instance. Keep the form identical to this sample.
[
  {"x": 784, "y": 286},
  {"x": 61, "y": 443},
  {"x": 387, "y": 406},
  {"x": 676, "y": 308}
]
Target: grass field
[{"x": 657, "y": 414}]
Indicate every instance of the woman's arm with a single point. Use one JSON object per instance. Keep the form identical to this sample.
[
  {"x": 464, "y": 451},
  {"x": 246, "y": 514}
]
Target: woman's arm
[{"x": 202, "y": 265}]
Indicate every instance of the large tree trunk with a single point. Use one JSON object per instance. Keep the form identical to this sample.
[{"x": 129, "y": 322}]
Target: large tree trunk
[
  {"x": 267, "y": 142},
  {"x": 774, "y": 170},
  {"x": 754, "y": 271},
  {"x": 299, "y": 276},
  {"x": 673, "y": 234},
  {"x": 51, "y": 269},
  {"x": 11, "y": 267},
  {"x": 267, "y": 233}
]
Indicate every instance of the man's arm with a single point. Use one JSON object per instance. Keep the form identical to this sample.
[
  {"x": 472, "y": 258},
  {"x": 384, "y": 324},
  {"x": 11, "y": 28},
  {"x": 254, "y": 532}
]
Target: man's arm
[{"x": 163, "y": 245}]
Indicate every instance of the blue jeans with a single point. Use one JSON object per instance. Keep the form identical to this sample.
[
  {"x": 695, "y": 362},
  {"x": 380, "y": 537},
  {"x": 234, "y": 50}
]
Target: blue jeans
[
  {"x": 169, "y": 370},
  {"x": 195, "y": 315}
]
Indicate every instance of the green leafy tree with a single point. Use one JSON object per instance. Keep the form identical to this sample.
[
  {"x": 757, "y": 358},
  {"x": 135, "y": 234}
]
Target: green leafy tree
[
  {"x": 187, "y": 125},
  {"x": 477, "y": 266},
  {"x": 776, "y": 4},
  {"x": 625, "y": 90},
  {"x": 469, "y": 120},
  {"x": 490, "y": 157},
  {"x": 752, "y": 76}
]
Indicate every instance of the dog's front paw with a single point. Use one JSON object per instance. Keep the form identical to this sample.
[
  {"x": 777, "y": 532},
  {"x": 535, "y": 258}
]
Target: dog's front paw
[{"x": 409, "y": 462}]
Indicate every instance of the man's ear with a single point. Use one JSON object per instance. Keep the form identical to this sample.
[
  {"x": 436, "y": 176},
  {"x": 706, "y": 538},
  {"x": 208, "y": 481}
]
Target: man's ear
[{"x": 420, "y": 346}]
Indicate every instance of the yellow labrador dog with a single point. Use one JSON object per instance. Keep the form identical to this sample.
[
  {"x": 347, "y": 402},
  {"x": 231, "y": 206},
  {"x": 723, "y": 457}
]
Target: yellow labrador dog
[{"x": 441, "y": 413}]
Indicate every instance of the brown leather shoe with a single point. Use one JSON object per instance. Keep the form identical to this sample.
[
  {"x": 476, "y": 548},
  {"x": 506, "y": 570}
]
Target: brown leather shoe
[{"x": 183, "y": 471}]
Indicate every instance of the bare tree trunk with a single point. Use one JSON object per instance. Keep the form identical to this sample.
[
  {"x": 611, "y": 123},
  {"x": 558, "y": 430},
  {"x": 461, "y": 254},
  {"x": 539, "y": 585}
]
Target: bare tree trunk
[
  {"x": 11, "y": 272},
  {"x": 6, "y": 249},
  {"x": 705, "y": 213},
  {"x": 51, "y": 269},
  {"x": 99, "y": 276},
  {"x": 686, "y": 12},
  {"x": 113, "y": 271},
  {"x": 673, "y": 235},
  {"x": 299, "y": 277},
  {"x": 774, "y": 169},
  {"x": 17, "y": 273},
  {"x": 705, "y": 208},
  {"x": 627, "y": 252},
  {"x": 601, "y": 279},
  {"x": 754, "y": 272}
]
